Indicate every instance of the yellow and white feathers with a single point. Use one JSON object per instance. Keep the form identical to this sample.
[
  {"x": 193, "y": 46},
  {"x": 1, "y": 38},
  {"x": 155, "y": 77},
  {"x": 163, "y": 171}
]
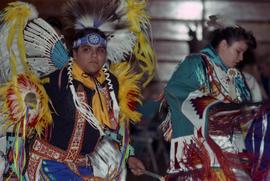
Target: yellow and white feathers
[
  {"x": 129, "y": 91},
  {"x": 140, "y": 25},
  {"x": 25, "y": 105},
  {"x": 13, "y": 54},
  {"x": 20, "y": 81}
]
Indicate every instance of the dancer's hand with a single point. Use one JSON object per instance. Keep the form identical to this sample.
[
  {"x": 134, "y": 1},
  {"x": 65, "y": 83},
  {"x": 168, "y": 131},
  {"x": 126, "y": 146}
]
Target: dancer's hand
[{"x": 136, "y": 166}]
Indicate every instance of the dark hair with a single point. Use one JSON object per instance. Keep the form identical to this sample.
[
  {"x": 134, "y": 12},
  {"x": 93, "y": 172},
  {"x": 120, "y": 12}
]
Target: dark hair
[
  {"x": 249, "y": 58},
  {"x": 55, "y": 22},
  {"x": 232, "y": 34}
]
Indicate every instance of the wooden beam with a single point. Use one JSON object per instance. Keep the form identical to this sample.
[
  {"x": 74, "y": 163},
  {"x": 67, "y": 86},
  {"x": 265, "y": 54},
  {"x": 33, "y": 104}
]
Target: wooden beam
[
  {"x": 239, "y": 10},
  {"x": 170, "y": 50}
]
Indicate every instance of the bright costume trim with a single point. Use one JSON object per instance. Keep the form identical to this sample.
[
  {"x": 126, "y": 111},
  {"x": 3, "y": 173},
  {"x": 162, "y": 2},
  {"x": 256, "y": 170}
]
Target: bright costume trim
[
  {"x": 99, "y": 104},
  {"x": 92, "y": 39},
  {"x": 193, "y": 145}
]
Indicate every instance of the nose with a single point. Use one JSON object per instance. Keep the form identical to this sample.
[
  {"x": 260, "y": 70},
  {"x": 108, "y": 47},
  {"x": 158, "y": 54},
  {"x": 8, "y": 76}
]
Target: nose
[
  {"x": 241, "y": 57},
  {"x": 93, "y": 52}
]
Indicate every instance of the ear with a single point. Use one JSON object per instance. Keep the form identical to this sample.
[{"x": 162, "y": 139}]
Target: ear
[
  {"x": 74, "y": 53},
  {"x": 223, "y": 44}
]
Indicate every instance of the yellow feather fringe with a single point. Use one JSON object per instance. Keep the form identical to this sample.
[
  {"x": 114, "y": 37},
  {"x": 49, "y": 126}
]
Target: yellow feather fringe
[
  {"x": 129, "y": 91},
  {"x": 15, "y": 17},
  {"x": 142, "y": 50},
  {"x": 14, "y": 108},
  {"x": 136, "y": 14}
]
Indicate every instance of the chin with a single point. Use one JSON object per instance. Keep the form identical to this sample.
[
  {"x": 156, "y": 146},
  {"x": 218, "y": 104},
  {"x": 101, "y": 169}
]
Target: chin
[{"x": 92, "y": 72}]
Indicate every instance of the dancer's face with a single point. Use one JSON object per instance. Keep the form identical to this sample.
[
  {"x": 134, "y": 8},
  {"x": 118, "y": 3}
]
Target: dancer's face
[
  {"x": 232, "y": 54},
  {"x": 90, "y": 58}
]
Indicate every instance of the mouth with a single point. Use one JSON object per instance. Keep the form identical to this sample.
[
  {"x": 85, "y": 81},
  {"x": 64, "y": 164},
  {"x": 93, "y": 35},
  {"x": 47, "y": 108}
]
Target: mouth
[
  {"x": 93, "y": 62},
  {"x": 236, "y": 63}
]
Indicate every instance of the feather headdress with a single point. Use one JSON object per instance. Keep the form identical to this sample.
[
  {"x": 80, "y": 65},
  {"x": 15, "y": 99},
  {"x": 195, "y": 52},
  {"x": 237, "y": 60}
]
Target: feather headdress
[
  {"x": 125, "y": 24},
  {"x": 219, "y": 21}
]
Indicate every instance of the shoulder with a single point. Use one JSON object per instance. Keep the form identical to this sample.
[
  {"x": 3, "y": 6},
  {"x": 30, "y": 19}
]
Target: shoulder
[
  {"x": 56, "y": 80},
  {"x": 189, "y": 64},
  {"x": 193, "y": 59}
]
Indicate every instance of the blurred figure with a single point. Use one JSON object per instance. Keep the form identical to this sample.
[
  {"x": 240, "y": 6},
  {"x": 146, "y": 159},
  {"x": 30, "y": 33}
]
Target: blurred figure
[
  {"x": 150, "y": 105},
  {"x": 147, "y": 140},
  {"x": 252, "y": 77},
  {"x": 264, "y": 68}
]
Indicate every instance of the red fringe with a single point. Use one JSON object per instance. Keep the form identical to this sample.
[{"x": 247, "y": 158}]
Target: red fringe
[
  {"x": 196, "y": 154},
  {"x": 133, "y": 103},
  {"x": 224, "y": 162}
]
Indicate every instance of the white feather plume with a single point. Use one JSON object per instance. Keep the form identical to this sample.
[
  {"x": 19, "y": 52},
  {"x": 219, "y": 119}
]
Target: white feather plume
[
  {"x": 107, "y": 27},
  {"x": 120, "y": 45},
  {"x": 39, "y": 39},
  {"x": 5, "y": 54},
  {"x": 34, "y": 12},
  {"x": 84, "y": 22}
]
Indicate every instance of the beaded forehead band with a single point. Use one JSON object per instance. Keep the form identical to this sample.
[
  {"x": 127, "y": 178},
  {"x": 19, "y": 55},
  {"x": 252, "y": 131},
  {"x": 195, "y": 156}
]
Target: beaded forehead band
[{"x": 92, "y": 39}]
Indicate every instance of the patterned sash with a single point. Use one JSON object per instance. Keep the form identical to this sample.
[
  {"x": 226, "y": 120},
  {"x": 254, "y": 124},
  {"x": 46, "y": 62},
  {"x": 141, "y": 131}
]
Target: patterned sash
[{"x": 42, "y": 150}]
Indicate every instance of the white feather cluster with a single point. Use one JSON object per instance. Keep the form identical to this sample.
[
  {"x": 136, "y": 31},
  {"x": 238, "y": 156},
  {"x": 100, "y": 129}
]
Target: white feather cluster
[
  {"x": 5, "y": 67},
  {"x": 120, "y": 45},
  {"x": 84, "y": 22},
  {"x": 107, "y": 26},
  {"x": 122, "y": 8},
  {"x": 34, "y": 12},
  {"x": 39, "y": 39},
  {"x": 87, "y": 21},
  {"x": 5, "y": 54}
]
